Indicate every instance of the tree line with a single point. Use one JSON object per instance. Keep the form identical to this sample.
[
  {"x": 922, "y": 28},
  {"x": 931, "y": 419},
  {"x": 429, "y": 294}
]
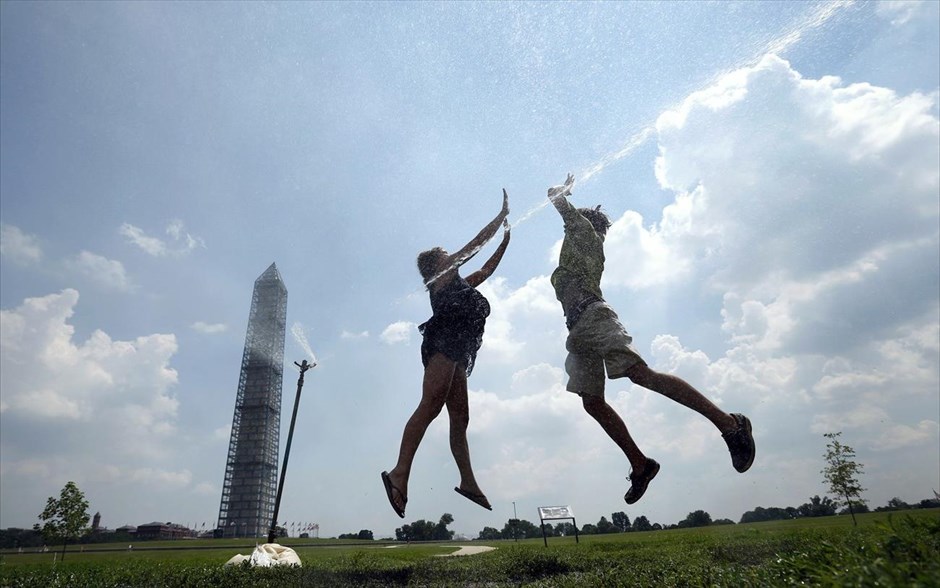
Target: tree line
[{"x": 65, "y": 519}]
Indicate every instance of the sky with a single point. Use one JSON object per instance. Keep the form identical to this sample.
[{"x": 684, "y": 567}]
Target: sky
[{"x": 772, "y": 171}]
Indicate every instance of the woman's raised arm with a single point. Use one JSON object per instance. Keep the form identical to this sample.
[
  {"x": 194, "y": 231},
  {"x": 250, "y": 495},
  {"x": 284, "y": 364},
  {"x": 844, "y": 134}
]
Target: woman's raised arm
[
  {"x": 479, "y": 276},
  {"x": 473, "y": 247}
]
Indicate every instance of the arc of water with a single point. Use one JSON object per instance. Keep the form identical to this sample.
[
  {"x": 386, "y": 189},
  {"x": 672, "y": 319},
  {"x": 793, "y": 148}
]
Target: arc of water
[
  {"x": 821, "y": 14},
  {"x": 297, "y": 330}
]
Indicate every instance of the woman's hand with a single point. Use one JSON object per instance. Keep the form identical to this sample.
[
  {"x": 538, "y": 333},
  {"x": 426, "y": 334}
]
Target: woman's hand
[
  {"x": 506, "y": 228},
  {"x": 505, "y": 210}
]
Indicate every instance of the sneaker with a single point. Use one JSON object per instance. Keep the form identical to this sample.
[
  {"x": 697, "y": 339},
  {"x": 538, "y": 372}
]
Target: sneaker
[
  {"x": 741, "y": 443},
  {"x": 640, "y": 480}
]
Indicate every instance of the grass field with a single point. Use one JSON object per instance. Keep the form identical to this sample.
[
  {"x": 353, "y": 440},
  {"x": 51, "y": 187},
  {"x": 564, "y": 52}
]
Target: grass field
[{"x": 886, "y": 549}]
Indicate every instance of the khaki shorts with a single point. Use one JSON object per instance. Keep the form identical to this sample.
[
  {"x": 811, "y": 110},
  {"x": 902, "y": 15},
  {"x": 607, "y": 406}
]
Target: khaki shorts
[{"x": 596, "y": 341}]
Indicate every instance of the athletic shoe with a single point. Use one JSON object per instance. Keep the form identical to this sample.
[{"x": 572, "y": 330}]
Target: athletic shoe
[
  {"x": 640, "y": 480},
  {"x": 741, "y": 443}
]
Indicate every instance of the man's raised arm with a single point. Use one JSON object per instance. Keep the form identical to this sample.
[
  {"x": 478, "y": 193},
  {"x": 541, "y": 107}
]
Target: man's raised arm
[{"x": 559, "y": 196}]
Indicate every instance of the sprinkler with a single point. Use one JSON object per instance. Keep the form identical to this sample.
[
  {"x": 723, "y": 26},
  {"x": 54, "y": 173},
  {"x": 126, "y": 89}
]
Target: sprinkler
[{"x": 304, "y": 366}]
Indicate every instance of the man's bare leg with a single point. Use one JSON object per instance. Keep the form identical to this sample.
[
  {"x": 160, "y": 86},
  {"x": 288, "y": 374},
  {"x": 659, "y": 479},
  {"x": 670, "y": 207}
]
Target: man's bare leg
[
  {"x": 615, "y": 428},
  {"x": 680, "y": 391}
]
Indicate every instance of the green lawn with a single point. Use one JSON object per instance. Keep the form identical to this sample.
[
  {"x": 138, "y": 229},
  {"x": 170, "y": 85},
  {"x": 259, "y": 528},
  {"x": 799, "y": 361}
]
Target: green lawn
[{"x": 886, "y": 549}]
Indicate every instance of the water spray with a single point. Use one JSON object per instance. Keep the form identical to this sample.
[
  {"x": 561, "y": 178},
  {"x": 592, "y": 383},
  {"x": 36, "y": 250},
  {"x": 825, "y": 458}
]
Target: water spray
[{"x": 304, "y": 366}]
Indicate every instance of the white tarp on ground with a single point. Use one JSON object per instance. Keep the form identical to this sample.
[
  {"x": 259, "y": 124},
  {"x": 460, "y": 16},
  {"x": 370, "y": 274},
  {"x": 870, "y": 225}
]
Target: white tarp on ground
[{"x": 268, "y": 554}]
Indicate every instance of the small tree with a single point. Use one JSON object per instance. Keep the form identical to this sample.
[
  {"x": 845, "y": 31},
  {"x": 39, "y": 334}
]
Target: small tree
[
  {"x": 66, "y": 517},
  {"x": 621, "y": 521},
  {"x": 841, "y": 473}
]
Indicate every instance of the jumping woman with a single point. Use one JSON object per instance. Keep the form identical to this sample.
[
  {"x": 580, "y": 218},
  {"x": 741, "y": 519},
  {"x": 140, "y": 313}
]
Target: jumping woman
[{"x": 452, "y": 337}]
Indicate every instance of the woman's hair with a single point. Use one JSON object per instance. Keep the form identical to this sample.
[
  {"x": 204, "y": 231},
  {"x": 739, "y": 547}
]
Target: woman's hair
[
  {"x": 428, "y": 262},
  {"x": 598, "y": 219}
]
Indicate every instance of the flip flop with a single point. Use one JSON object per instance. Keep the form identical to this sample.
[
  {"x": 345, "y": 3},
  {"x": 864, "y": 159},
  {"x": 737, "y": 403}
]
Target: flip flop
[
  {"x": 388, "y": 492},
  {"x": 476, "y": 498}
]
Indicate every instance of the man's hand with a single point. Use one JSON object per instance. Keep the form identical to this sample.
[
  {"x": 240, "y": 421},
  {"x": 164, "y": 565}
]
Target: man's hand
[
  {"x": 506, "y": 228},
  {"x": 505, "y": 210},
  {"x": 562, "y": 191}
]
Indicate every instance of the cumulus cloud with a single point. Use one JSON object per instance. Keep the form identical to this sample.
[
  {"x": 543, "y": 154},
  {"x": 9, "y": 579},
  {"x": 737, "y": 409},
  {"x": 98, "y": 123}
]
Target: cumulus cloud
[
  {"x": 208, "y": 328},
  {"x": 105, "y": 272},
  {"x": 398, "y": 332},
  {"x": 178, "y": 241},
  {"x": 19, "y": 247},
  {"x": 97, "y": 410},
  {"x": 807, "y": 210}
]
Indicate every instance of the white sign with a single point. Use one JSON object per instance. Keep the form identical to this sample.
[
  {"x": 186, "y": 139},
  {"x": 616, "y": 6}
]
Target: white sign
[{"x": 555, "y": 512}]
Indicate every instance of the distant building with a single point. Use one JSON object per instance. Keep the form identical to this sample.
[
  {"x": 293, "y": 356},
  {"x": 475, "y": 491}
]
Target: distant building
[
  {"x": 96, "y": 522},
  {"x": 250, "y": 485},
  {"x": 156, "y": 530}
]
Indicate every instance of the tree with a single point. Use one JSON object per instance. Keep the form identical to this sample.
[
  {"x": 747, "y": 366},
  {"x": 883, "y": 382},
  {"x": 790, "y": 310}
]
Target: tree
[
  {"x": 699, "y": 518},
  {"x": 621, "y": 521},
  {"x": 841, "y": 473},
  {"x": 489, "y": 534},
  {"x": 897, "y": 504},
  {"x": 773, "y": 513},
  {"x": 641, "y": 523},
  {"x": 604, "y": 527},
  {"x": 422, "y": 530},
  {"x": 817, "y": 507},
  {"x": 520, "y": 529},
  {"x": 66, "y": 517},
  {"x": 363, "y": 535},
  {"x": 565, "y": 529},
  {"x": 589, "y": 529},
  {"x": 440, "y": 532}
]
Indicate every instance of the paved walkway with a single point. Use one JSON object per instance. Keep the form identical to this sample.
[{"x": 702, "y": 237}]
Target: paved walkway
[{"x": 469, "y": 550}]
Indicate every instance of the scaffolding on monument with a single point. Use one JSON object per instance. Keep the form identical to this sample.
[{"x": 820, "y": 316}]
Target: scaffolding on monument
[{"x": 250, "y": 484}]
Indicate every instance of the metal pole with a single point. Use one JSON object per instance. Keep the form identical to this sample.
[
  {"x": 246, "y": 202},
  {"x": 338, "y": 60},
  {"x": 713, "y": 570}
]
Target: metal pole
[{"x": 304, "y": 366}]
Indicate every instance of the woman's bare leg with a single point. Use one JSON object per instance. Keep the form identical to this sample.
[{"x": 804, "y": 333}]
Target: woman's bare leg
[
  {"x": 458, "y": 409},
  {"x": 435, "y": 389}
]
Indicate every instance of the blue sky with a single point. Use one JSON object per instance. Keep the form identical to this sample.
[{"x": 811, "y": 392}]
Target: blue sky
[{"x": 775, "y": 243}]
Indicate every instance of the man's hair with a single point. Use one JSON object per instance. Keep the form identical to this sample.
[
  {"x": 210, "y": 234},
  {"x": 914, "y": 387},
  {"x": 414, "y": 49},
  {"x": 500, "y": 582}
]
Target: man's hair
[
  {"x": 598, "y": 219},
  {"x": 427, "y": 262}
]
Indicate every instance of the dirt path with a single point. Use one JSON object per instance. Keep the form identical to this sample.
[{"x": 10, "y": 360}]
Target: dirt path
[{"x": 468, "y": 550}]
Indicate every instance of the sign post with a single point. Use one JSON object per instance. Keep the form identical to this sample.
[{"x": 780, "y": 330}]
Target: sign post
[{"x": 555, "y": 513}]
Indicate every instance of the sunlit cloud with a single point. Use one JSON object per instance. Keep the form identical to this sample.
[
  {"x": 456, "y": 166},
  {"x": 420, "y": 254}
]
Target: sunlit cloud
[
  {"x": 178, "y": 241},
  {"x": 209, "y": 328},
  {"x": 106, "y": 272},
  {"x": 398, "y": 332},
  {"x": 19, "y": 247}
]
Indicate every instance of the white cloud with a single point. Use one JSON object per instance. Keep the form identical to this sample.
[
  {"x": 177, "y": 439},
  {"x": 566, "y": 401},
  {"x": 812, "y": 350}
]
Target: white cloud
[
  {"x": 901, "y": 436},
  {"x": 398, "y": 332},
  {"x": 805, "y": 213},
  {"x": 206, "y": 489},
  {"x": 105, "y": 272},
  {"x": 98, "y": 410},
  {"x": 19, "y": 247},
  {"x": 899, "y": 12},
  {"x": 349, "y": 335},
  {"x": 208, "y": 328},
  {"x": 179, "y": 242}
]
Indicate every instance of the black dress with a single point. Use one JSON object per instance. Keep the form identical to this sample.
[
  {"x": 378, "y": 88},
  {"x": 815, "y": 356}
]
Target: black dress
[{"x": 456, "y": 328}]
